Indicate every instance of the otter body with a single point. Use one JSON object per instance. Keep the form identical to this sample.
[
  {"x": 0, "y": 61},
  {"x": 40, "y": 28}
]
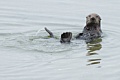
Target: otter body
[{"x": 90, "y": 33}]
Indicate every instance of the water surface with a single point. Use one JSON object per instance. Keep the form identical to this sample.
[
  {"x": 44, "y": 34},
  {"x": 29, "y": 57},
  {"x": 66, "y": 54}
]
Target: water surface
[{"x": 27, "y": 53}]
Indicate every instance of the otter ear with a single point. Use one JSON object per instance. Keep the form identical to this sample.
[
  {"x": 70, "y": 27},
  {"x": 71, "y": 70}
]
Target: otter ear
[
  {"x": 100, "y": 18},
  {"x": 86, "y": 17}
]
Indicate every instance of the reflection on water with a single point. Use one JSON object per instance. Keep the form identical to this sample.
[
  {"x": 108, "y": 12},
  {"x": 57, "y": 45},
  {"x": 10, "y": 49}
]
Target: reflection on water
[{"x": 92, "y": 48}]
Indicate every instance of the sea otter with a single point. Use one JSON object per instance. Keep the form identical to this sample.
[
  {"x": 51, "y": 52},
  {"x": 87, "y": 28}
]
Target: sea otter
[{"x": 91, "y": 31}]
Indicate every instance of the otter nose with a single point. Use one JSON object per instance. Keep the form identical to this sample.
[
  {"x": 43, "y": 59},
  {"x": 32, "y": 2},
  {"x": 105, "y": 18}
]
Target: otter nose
[{"x": 92, "y": 18}]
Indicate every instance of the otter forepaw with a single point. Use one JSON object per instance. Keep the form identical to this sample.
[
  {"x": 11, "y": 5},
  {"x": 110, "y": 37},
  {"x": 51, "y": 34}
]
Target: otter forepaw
[{"x": 66, "y": 37}]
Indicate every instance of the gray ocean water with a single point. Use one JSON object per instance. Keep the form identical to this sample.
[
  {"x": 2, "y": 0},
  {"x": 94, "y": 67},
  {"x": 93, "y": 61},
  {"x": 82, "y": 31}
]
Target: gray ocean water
[{"x": 27, "y": 53}]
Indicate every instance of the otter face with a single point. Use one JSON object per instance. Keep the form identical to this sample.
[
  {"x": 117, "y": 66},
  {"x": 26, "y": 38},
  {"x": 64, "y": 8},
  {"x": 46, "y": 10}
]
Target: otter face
[{"x": 93, "y": 18}]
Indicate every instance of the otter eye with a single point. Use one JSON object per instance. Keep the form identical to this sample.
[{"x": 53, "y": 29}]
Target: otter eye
[
  {"x": 89, "y": 16},
  {"x": 97, "y": 16}
]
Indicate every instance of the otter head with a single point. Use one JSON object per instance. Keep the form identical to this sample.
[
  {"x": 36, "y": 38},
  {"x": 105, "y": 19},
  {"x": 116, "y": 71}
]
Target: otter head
[{"x": 93, "y": 19}]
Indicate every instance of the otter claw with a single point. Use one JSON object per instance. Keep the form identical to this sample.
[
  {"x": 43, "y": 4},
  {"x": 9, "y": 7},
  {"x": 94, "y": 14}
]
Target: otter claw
[{"x": 66, "y": 37}]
